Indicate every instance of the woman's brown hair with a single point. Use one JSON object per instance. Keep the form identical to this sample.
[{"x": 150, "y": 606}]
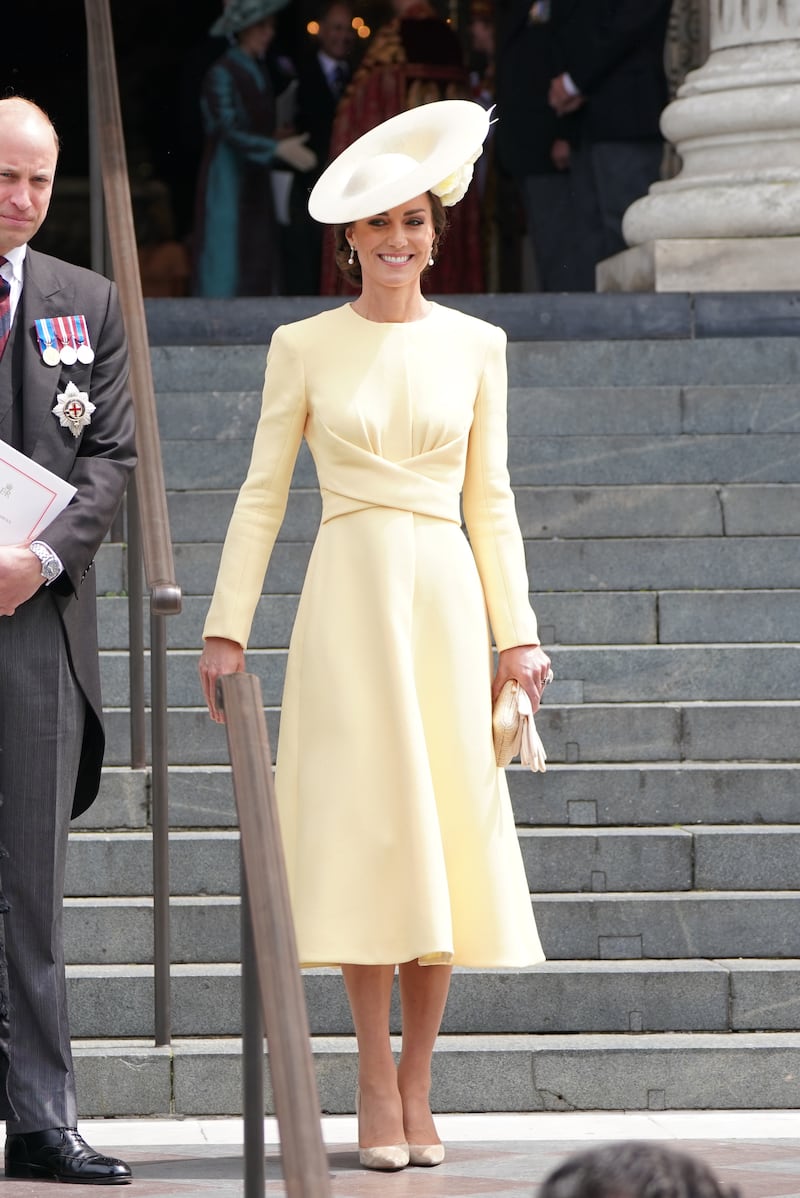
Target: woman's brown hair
[{"x": 342, "y": 246}]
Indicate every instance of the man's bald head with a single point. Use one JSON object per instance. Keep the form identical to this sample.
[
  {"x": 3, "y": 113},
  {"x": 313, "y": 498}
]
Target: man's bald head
[
  {"x": 28, "y": 157},
  {"x": 18, "y": 109}
]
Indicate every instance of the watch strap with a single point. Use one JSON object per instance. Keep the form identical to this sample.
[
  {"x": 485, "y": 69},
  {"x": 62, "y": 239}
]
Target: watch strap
[{"x": 51, "y": 563}]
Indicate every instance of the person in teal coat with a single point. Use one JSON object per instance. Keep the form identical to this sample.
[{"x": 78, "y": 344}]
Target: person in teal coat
[{"x": 236, "y": 251}]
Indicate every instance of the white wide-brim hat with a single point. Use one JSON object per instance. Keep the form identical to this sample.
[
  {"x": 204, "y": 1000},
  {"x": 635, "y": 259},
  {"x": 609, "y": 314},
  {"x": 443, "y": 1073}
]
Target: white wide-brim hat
[{"x": 430, "y": 148}]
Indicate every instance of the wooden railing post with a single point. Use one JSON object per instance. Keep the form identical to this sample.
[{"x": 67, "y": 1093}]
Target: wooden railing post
[
  {"x": 305, "y": 1163},
  {"x": 154, "y": 541},
  {"x": 252, "y": 1058}
]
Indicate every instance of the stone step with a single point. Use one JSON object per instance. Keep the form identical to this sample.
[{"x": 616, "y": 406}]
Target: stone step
[
  {"x": 543, "y": 460},
  {"x": 710, "y": 362},
  {"x": 597, "y": 926},
  {"x": 123, "y": 801},
  {"x": 672, "y": 673},
  {"x": 751, "y": 510},
  {"x": 221, "y": 465},
  {"x": 592, "y": 796},
  {"x": 634, "y": 563},
  {"x": 623, "y": 674},
  {"x": 755, "y": 408},
  {"x": 110, "y": 566},
  {"x": 545, "y": 512},
  {"x": 641, "y": 459},
  {"x": 119, "y": 931},
  {"x": 690, "y": 859},
  {"x": 203, "y": 515},
  {"x": 597, "y": 860},
  {"x": 207, "y": 368},
  {"x": 565, "y": 618},
  {"x": 654, "y": 411},
  {"x": 633, "y": 511},
  {"x": 588, "y": 732},
  {"x": 574, "y": 316},
  {"x": 205, "y": 414},
  {"x": 686, "y": 617},
  {"x": 661, "y": 563},
  {"x": 669, "y": 925},
  {"x": 556, "y": 997},
  {"x": 103, "y": 864},
  {"x": 656, "y": 794},
  {"x": 656, "y": 1071}
]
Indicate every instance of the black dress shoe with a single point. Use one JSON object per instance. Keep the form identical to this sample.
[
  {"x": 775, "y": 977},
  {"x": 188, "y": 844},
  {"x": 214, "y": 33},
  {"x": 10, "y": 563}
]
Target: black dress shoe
[{"x": 61, "y": 1154}]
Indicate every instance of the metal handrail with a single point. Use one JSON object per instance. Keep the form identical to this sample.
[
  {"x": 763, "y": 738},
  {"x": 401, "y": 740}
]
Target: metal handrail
[
  {"x": 148, "y": 520},
  {"x": 270, "y": 938}
]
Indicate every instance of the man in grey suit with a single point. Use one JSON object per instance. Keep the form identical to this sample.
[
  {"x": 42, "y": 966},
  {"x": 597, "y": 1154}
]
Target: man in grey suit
[
  {"x": 65, "y": 403},
  {"x": 611, "y": 55}
]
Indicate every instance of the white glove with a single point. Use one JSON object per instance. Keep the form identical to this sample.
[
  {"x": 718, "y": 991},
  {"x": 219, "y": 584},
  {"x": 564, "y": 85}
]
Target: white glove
[{"x": 296, "y": 153}]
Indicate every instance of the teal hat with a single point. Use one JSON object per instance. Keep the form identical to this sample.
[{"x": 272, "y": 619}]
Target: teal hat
[{"x": 241, "y": 14}]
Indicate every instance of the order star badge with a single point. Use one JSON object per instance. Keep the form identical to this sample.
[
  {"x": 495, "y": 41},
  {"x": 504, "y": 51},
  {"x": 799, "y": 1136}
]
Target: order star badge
[{"x": 74, "y": 409}]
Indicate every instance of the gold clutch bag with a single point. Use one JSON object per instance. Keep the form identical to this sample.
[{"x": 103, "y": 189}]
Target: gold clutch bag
[{"x": 514, "y": 731}]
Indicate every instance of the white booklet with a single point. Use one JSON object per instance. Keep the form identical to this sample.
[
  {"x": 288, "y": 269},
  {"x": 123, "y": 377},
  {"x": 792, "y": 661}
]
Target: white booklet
[{"x": 30, "y": 497}]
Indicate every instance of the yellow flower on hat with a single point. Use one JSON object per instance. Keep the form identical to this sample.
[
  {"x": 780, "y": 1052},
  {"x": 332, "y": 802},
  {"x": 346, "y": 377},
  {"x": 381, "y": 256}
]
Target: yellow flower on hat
[{"x": 454, "y": 187}]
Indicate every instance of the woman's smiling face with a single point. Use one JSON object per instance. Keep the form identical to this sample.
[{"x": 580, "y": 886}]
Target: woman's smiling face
[{"x": 394, "y": 247}]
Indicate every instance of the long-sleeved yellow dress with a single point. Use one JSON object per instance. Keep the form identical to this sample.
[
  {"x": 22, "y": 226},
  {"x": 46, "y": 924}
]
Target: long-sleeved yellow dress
[{"x": 397, "y": 826}]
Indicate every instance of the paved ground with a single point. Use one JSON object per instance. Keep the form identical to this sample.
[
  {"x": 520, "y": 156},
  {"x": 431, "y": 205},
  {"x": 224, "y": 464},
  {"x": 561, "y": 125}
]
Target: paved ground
[{"x": 500, "y": 1155}]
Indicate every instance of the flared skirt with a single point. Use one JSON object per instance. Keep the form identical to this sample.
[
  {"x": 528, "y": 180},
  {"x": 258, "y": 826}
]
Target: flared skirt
[{"x": 397, "y": 826}]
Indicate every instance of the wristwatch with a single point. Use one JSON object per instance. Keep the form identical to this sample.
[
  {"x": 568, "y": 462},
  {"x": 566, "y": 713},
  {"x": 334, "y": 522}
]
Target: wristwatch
[{"x": 51, "y": 562}]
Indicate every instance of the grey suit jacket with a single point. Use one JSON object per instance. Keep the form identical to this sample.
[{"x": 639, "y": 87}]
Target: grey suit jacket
[{"x": 97, "y": 461}]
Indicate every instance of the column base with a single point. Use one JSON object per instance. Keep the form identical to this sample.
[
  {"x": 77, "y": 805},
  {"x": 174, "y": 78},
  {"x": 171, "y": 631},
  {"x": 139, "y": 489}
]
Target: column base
[{"x": 704, "y": 264}]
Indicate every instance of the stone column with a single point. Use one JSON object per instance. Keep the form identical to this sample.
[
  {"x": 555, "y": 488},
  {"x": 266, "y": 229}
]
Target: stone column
[{"x": 730, "y": 219}]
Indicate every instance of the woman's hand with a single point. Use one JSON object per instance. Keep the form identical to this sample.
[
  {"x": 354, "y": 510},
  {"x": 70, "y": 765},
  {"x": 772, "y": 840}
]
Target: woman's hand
[
  {"x": 529, "y": 664},
  {"x": 220, "y": 656}
]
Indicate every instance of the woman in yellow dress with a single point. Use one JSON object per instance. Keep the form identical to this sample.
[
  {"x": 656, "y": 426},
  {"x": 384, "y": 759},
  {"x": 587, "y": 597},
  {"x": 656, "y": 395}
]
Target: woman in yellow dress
[{"x": 398, "y": 833}]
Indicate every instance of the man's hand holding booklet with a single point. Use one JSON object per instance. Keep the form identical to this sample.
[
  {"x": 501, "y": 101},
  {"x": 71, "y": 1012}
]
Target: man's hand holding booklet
[{"x": 30, "y": 497}]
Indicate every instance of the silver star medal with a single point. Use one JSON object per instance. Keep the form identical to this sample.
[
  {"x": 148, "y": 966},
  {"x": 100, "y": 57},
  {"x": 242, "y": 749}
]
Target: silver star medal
[{"x": 74, "y": 409}]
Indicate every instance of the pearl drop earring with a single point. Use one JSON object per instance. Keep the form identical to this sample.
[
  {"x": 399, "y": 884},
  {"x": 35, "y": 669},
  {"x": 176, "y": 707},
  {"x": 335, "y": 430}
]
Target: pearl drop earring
[
  {"x": 430, "y": 260},
  {"x": 351, "y": 259}
]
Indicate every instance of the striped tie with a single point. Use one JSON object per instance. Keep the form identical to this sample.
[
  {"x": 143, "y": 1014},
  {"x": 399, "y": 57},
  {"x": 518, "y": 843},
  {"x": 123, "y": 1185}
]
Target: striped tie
[{"x": 5, "y": 308}]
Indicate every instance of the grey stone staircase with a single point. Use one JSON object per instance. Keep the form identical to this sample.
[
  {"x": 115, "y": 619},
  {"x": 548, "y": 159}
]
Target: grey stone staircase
[{"x": 655, "y": 453}]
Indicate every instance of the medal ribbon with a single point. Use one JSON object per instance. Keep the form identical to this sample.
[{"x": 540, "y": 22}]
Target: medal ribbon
[
  {"x": 45, "y": 334},
  {"x": 66, "y": 332},
  {"x": 83, "y": 331},
  {"x": 60, "y": 331}
]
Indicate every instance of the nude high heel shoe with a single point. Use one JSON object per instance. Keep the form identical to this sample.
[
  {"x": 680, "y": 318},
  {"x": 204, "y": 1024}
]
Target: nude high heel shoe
[
  {"x": 427, "y": 1155},
  {"x": 388, "y": 1157}
]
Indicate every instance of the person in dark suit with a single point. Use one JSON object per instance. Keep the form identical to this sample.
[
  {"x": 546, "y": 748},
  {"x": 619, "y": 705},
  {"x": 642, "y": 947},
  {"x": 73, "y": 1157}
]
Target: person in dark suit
[
  {"x": 322, "y": 77},
  {"x": 532, "y": 144},
  {"x": 51, "y": 729},
  {"x": 613, "y": 75}
]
